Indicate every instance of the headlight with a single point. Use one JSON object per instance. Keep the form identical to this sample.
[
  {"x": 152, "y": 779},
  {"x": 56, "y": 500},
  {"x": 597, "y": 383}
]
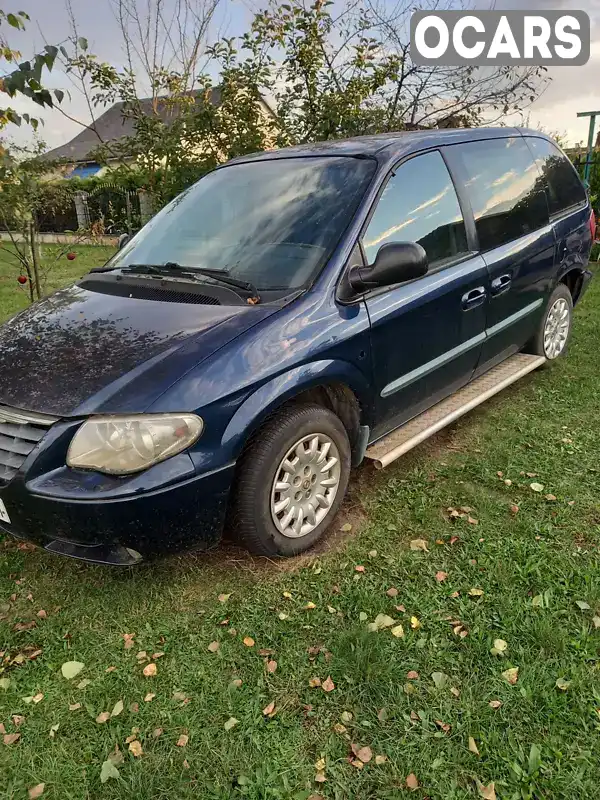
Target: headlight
[{"x": 121, "y": 445}]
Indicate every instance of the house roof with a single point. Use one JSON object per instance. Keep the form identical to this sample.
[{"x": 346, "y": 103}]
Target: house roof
[{"x": 111, "y": 126}]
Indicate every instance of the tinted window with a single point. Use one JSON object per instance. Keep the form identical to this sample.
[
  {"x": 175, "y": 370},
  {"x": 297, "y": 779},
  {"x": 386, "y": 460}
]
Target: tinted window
[
  {"x": 273, "y": 223},
  {"x": 419, "y": 204},
  {"x": 505, "y": 188},
  {"x": 563, "y": 184}
]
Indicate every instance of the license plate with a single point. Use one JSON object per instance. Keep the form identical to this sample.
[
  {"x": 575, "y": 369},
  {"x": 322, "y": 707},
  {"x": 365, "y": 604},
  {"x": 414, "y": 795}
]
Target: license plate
[{"x": 3, "y": 513}]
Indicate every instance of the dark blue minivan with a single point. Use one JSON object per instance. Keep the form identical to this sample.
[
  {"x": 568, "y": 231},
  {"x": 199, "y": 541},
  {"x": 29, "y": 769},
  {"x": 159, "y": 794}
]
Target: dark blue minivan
[{"x": 293, "y": 312}]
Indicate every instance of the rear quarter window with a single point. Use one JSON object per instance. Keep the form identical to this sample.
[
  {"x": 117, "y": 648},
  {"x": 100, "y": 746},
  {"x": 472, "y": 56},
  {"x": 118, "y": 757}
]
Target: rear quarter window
[
  {"x": 563, "y": 185},
  {"x": 504, "y": 186}
]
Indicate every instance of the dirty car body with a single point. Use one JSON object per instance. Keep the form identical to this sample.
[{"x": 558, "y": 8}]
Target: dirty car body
[{"x": 147, "y": 335}]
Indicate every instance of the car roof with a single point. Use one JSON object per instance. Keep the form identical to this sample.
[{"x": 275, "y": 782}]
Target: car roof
[{"x": 387, "y": 147}]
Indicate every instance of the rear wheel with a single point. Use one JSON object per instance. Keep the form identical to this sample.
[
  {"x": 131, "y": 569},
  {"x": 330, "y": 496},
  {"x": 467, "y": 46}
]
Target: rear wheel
[
  {"x": 292, "y": 480},
  {"x": 554, "y": 331}
]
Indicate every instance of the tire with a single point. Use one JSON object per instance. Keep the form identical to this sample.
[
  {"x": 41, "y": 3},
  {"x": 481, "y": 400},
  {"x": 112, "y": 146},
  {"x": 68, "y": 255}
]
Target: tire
[
  {"x": 559, "y": 308},
  {"x": 256, "y": 514}
]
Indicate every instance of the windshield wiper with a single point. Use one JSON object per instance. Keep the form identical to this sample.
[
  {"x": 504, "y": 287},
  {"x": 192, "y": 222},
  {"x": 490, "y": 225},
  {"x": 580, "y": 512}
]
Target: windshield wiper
[{"x": 192, "y": 272}]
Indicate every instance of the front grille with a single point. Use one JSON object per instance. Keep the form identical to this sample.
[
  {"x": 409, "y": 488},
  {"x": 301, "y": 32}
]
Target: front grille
[{"x": 20, "y": 431}]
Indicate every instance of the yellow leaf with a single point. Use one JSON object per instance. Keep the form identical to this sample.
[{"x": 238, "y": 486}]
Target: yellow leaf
[
  {"x": 269, "y": 711},
  {"x": 537, "y": 487},
  {"x": 511, "y": 675},
  {"x": 419, "y": 544},
  {"x": 320, "y": 765},
  {"x": 346, "y": 716},
  {"x": 563, "y": 684},
  {"x": 223, "y": 598},
  {"x": 314, "y": 682},
  {"x": 74, "y": 706},
  {"x": 473, "y": 746},
  {"x": 309, "y": 606},
  {"x": 414, "y": 623},
  {"x": 150, "y": 696},
  {"x": 380, "y": 760},
  {"x": 476, "y": 592},
  {"x": 135, "y": 748},
  {"x": 183, "y": 740},
  {"x": 495, "y": 703},
  {"x": 339, "y": 728},
  {"x": 249, "y": 641},
  {"x": 320, "y": 777},
  {"x": 283, "y": 616},
  {"x": 287, "y": 595},
  {"x": 398, "y": 631},
  {"x": 213, "y": 647},
  {"x": 231, "y": 723},
  {"x": 331, "y": 610},
  {"x": 118, "y": 708},
  {"x": 150, "y": 670},
  {"x": 499, "y": 647}
]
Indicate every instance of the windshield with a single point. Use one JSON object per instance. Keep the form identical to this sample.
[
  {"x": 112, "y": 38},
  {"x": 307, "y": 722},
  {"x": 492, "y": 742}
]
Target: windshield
[{"x": 273, "y": 223}]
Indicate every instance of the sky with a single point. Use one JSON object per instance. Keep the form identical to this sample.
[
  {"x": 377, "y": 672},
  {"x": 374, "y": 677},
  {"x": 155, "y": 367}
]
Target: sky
[{"x": 572, "y": 89}]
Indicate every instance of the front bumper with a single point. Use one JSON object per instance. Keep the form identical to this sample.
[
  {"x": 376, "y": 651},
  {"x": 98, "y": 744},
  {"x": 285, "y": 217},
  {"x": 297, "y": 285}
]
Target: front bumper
[{"x": 113, "y": 529}]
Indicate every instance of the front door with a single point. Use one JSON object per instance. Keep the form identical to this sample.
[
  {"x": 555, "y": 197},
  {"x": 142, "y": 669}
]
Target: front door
[
  {"x": 506, "y": 192},
  {"x": 426, "y": 335}
]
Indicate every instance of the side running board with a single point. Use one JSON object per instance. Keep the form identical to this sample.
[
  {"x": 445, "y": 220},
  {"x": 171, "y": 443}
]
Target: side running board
[{"x": 403, "y": 439}]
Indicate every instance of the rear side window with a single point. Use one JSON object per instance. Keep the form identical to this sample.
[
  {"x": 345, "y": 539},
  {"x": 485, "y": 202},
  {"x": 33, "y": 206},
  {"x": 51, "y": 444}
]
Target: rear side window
[
  {"x": 504, "y": 186},
  {"x": 419, "y": 204},
  {"x": 565, "y": 190}
]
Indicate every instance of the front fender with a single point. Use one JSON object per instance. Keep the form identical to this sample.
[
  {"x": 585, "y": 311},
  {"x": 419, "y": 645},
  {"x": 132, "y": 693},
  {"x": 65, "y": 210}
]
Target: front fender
[{"x": 256, "y": 408}]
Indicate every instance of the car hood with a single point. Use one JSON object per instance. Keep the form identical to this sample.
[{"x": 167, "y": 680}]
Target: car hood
[{"x": 80, "y": 352}]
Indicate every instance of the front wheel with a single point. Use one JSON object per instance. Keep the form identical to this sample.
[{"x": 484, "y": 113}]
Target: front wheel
[
  {"x": 554, "y": 331},
  {"x": 291, "y": 481}
]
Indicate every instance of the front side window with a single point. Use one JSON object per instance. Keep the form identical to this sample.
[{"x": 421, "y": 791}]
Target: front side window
[
  {"x": 505, "y": 189},
  {"x": 565, "y": 190},
  {"x": 419, "y": 204},
  {"x": 273, "y": 223}
]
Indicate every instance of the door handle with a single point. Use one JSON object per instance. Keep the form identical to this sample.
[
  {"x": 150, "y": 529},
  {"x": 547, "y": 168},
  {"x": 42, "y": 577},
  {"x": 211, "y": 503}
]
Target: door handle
[
  {"x": 473, "y": 298},
  {"x": 501, "y": 284}
]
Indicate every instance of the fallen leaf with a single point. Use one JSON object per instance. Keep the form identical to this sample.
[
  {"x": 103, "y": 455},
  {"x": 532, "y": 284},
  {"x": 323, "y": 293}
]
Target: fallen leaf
[
  {"x": 309, "y": 606},
  {"x": 314, "y": 682},
  {"x": 499, "y": 647},
  {"x": 110, "y": 669},
  {"x": 495, "y": 703},
  {"x": 4, "y": 683},
  {"x": 508, "y": 482},
  {"x": 440, "y": 679},
  {"x": 455, "y": 691},
  {"x": 413, "y": 675},
  {"x": 415, "y": 623},
  {"x": 511, "y": 675},
  {"x": 118, "y": 708},
  {"x": 18, "y": 720},
  {"x": 400, "y": 608},
  {"x": 223, "y": 598},
  {"x": 142, "y": 656},
  {"x": 392, "y": 592},
  {"x": 320, "y": 765},
  {"x": 11, "y": 738},
  {"x": 249, "y": 641},
  {"x": 135, "y": 748},
  {"x": 382, "y": 715},
  {"x": 473, "y": 746},
  {"x": 563, "y": 684},
  {"x": 582, "y": 605},
  {"x": 157, "y": 732},
  {"x": 269, "y": 711},
  {"x": 71, "y": 668},
  {"x": 237, "y": 682},
  {"x": 53, "y": 730},
  {"x": 441, "y": 576},
  {"x": 108, "y": 770},
  {"x": 476, "y": 592},
  {"x": 487, "y": 792},
  {"x": 36, "y": 791},
  {"x": 42, "y": 615},
  {"x": 365, "y": 754},
  {"x": 414, "y": 716},
  {"x": 186, "y": 763},
  {"x": 150, "y": 670},
  {"x": 271, "y": 666},
  {"x": 37, "y": 698},
  {"x": 419, "y": 544},
  {"x": 213, "y": 647},
  {"x": 443, "y": 726},
  {"x": 514, "y": 509},
  {"x": 103, "y": 717},
  {"x": 550, "y": 497},
  {"x": 372, "y": 553},
  {"x": 154, "y": 656},
  {"x": 379, "y": 760},
  {"x": 332, "y": 610},
  {"x": 183, "y": 740},
  {"x": 24, "y": 626},
  {"x": 149, "y": 697},
  {"x": 128, "y": 640},
  {"x": 134, "y": 708},
  {"x": 596, "y": 622},
  {"x": 357, "y": 763},
  {"x": 231, "y": 723},
  {"x": 346, "y": 717},
  {"x": 359, "y": 568},
  {"x": 82, "y": 684},
  {"x": 381, "y": 621},
  {"x": 412, "y": 782},
  {"x": 74, "y": 706},
  {"x": 320, "y": 777},
  {"x": 537, "y": 487},
  {"x": 398, "y": 631},
  {"x": 328, "y": 685},
  {"x": 346, "y": 527},
  {"x": 339, "y": 728},
  {"x": 283, "y": 616}
]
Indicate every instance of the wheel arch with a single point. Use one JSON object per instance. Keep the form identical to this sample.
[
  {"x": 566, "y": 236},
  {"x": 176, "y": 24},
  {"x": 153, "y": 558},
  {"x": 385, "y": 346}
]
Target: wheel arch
[
  {"x": 574, "y": 280},
  {"x": 336, "y": 385}
]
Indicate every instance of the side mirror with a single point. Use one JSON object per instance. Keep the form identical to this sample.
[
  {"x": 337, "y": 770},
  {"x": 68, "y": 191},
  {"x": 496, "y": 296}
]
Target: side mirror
[
  {"x": 123, "y": 239},
  {"x": 395, "y": 262}
]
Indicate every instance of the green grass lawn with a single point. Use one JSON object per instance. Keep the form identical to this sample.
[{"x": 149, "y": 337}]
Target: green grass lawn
[
  {"x": 525, "y": 570},
  {"x": 57, "y": 271}
]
